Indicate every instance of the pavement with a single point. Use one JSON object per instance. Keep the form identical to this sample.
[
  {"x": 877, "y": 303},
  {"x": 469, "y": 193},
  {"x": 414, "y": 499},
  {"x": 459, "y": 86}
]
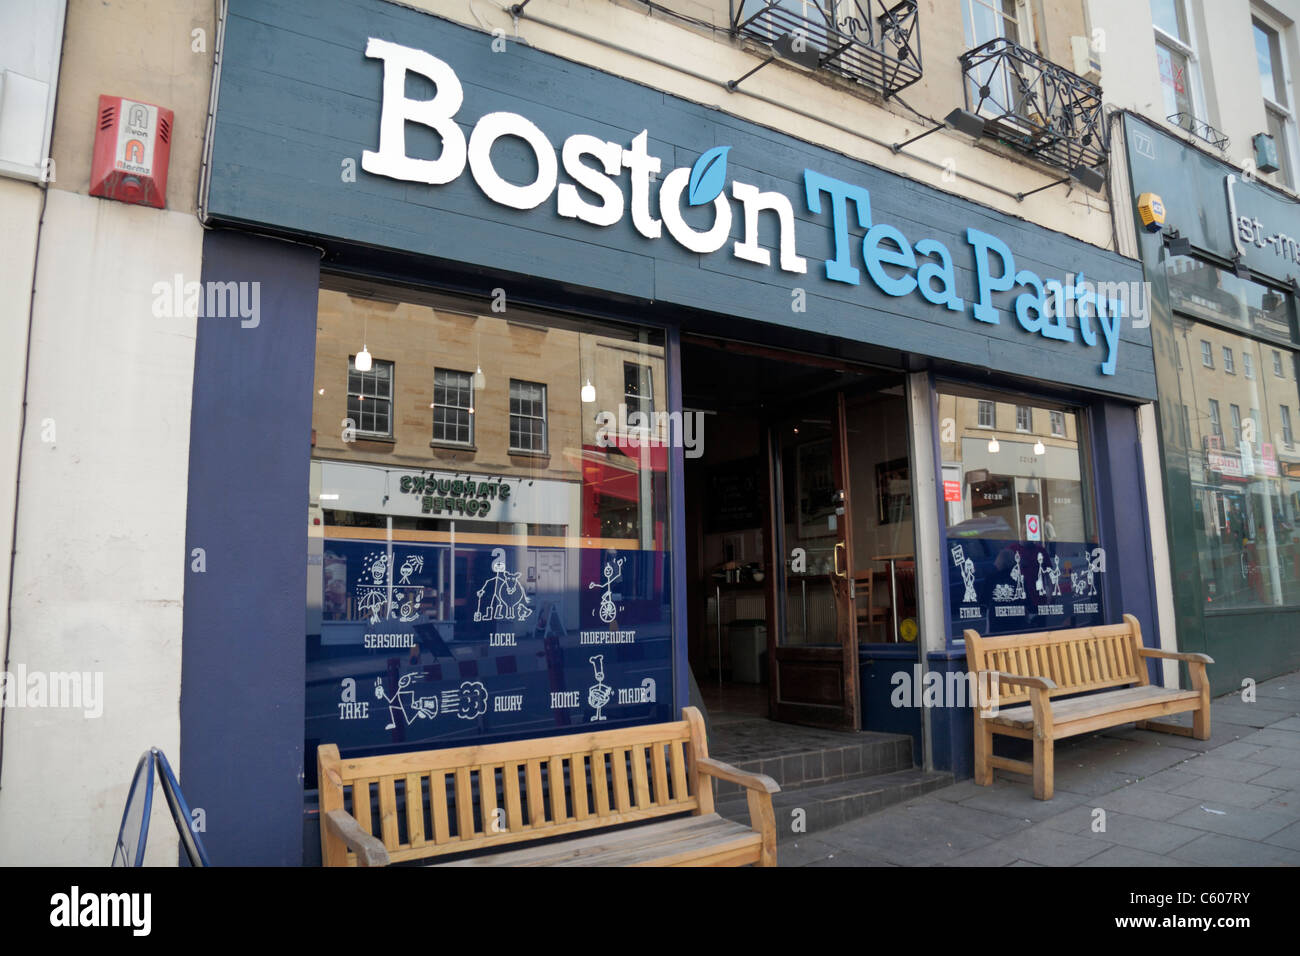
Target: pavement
[{"x": 1164, "y": 800}]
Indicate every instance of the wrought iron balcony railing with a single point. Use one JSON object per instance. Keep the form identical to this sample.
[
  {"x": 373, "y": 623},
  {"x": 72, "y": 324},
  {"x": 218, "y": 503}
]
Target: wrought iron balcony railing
[
  {"x": 1039, "y": 107},
  {"x": 1200, "y": 129},
  {"x": 873, "y": 41}
]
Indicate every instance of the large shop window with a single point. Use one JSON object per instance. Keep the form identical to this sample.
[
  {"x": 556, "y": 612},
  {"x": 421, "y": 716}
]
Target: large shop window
[
  {"x": 1245, "y": 479},
  {"x": 499, "y": 566},
  {"x": 1019, "y": 519}
]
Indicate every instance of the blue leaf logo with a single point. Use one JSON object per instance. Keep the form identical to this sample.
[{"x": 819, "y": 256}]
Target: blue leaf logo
[{"x": 708, "y": 176}]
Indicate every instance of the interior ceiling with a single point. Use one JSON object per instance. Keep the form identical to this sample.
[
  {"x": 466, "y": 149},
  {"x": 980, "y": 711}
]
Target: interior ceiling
[{"x": 715, "y": 379}]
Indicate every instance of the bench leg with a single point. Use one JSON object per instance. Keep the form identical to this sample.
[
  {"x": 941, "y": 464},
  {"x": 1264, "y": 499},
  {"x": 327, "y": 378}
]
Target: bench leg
[
  {"x": 983, "y": 750},
  {"x": 1044, "y": 768}
]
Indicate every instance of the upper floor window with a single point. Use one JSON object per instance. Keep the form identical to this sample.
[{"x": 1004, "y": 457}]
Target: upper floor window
[
  {"x": 1277, "y": 364},
  {"x": 1287, "y": 437},
  {"x": 638, "y": 393},
  {"x": 1247, "y": 365},
  {"x": 1058, "y": 424},
  {"x": 1235, "y": 412},
  {"x": 1175, "y": 56},
  {"x": 1273, "y": 83},
  {"x": 1024, "y": 419},
  {"x": 527, "y": 416},
  {"x": 1216, "y": 423},
  {"x": 370, "y": 398},
  {"x": 1207, "y": 354},
  {"x": 986, "y": 417},
  {"x": 1228, "y": 365},
  {"x": 453, "y": 406}
]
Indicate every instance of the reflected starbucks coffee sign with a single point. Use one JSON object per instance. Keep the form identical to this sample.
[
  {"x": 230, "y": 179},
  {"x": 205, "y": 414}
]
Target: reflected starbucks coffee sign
[{"x": 452, "y": 494}]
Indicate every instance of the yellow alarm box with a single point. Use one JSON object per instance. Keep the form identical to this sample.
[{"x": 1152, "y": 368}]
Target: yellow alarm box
[{"x": 1151, "y": 210}]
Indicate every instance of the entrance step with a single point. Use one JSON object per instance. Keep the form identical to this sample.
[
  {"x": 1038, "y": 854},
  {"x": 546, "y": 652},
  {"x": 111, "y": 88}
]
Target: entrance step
[
  {"x": 798, "y": 757},
  {"x": 828, "y": 805}
]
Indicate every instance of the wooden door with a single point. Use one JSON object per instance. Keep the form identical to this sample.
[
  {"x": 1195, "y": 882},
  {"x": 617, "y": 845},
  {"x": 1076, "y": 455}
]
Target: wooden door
[{"x": 813, "y": 650}]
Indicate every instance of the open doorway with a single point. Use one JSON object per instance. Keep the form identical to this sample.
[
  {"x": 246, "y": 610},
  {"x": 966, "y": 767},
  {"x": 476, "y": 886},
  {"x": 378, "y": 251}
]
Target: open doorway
[{"x": 800, "y": 541}]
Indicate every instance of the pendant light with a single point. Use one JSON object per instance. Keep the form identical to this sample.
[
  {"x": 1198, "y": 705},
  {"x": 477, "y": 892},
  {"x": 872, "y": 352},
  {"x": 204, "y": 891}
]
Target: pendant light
[
  {"x": 994, "y": 447},
  {"x": 480, "y": 380},
  {"x": 362, "y": 361},
  {"x": 588, "y": 393},
  {"x": 1039, "y": 447}
]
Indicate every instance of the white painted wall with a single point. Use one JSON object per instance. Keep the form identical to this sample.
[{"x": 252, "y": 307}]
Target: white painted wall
[{"x": 100, "y": 563}]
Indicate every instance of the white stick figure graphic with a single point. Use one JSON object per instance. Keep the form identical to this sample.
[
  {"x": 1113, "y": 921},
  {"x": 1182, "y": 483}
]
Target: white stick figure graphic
[
  {"x": 608, "y": 609},
  {"x": 1038, "y": 585},
  {"x": 507, "y": 599},
  {"x": 1054, "y": 572},
  {"x": 1018, "y": 578},
  {"x": 599, "y": 693},
  {"x": 425, "y": 707},
  {"x": 412, "y": 564}
]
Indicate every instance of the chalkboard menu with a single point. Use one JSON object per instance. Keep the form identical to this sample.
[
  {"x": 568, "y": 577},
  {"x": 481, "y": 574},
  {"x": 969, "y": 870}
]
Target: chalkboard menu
[{"x": 733, "y": 496}]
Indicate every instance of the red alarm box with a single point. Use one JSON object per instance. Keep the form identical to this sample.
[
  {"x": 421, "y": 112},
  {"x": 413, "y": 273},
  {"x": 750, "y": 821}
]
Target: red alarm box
[{"x": 133, "y": 143}]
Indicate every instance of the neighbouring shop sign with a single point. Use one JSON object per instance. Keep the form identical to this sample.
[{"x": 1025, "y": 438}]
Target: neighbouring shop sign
[
  {"x": 455, "y": 494},
  {"x": 607, "y": 179}
]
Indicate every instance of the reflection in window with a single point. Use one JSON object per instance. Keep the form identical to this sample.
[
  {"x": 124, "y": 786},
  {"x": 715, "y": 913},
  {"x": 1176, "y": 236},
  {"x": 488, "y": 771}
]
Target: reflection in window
[
  {"x": 986, "y": 415},
  {"x": 1245, "y": 485},
  {"x": 1229, "y": 367},
  {"x": 638, "y": 391},
  {"x": 1021, "y": 539},
  {"x": 457, "y": 592},
  {"x": 1207, "y": 355}
]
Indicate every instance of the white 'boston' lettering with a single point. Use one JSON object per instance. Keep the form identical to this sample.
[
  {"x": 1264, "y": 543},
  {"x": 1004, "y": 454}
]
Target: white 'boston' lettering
[{"x": 391, "y": 159}]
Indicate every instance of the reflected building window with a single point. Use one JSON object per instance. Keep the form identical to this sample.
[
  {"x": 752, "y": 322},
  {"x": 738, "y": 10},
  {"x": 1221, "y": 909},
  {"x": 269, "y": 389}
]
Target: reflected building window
[{"x": 370, "y": 398}]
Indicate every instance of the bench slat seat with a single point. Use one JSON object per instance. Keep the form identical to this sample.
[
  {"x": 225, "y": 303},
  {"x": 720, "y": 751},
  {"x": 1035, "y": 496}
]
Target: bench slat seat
[
  {"x": 1093, "y": 705},
  {"x": 667, "y": 843},
  {"x": 1106, "y": 666},
  {"x": 448, "y": 806}
]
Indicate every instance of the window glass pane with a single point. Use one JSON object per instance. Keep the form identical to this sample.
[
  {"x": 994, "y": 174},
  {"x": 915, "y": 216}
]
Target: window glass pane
[
  {"x": 1021, "y": 537},
  {"x": 1204, "y": 291},
  {"x": 1174, "y": 79},
  {"x": 1169, "y": 15},
  {"x": 1277, "y": 128},
  {"x": 462, "y": 595},
  {"x": 1268, "y": 55},
  {"x": 1245, "y": 475}
]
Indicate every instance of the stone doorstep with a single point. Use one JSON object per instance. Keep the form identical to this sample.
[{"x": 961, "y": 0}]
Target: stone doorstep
[
  {"x": 824, "y": 765},
  {"x": 831, "y": 804}
]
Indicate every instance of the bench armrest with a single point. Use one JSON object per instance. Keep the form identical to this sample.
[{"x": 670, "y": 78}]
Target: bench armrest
[
  {"x": 1016, "y": 680},
  {"x": 369, "y": 851},
  {"x": 1176, "y": 655},
  {"x": 725, "y": 771}
]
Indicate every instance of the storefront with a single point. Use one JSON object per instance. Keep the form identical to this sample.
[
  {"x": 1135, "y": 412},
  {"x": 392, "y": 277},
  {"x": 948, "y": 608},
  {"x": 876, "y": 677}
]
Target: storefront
[
  {"x": 1222, "y": 275},
  {"x": 592, "y": 393}
]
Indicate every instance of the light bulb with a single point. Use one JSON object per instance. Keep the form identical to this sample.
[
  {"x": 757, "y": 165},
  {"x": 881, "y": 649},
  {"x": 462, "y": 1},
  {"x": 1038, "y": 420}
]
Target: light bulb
[
  {"x": 1039, "y": 447},
  {"x": 993, "y": 445},
  {"x": 363, "y": 360},
  {"x": 588, "y": 392},
  {"x": 480, "y": 380}
]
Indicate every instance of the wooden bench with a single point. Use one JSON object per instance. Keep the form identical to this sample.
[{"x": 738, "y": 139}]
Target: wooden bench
[
  {"x": 1051, "y": 664},
  {"x": 499, "y": 795}
]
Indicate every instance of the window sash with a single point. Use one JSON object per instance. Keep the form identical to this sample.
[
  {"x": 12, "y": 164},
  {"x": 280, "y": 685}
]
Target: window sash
[
  {"x": 527, "y": 416},
  {"x": 453, "y": 397},
  {"x": 367, "y": 404}
]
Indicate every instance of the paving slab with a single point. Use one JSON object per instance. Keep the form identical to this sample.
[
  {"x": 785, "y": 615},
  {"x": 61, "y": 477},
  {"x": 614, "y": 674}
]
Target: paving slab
[
  {"x": 1216, "y": 849},
  {"x": 1249, "y": 823},
  {"x": 1214, "y": 764}
]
